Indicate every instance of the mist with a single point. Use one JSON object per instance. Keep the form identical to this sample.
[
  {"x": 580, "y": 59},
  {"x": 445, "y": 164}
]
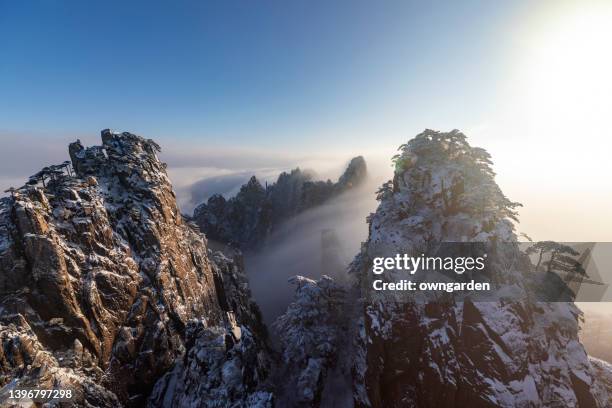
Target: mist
[
  {"x": 190, "y": 193},
  {"x": 197, "y": 172},
  {"x": 322, "y": 240}
]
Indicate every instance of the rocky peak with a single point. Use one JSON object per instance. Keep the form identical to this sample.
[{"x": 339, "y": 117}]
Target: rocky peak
[
  {"x": 105, "y": 289},
  {"x": 455, "y": 353},
  {"x": 252, "y": 194},
  {"x": 247, "y": 219},
  {"x": 451, "y": 351},
  {"x": 101, "y": 278},
  {"x": 355, "y": 173}
]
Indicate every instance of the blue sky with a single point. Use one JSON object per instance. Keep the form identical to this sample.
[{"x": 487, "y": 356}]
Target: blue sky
[
  {"x": 258, "y": 86},
  {"x": 253, "y": 73}
]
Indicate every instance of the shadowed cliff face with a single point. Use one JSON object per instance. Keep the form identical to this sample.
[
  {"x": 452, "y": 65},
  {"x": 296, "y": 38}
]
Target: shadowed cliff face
[
  {"x": 103, "y": 285},
  {"x": 251, "y": 217}
]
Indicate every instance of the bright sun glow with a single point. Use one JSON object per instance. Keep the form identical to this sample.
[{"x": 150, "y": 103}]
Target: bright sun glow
[
  {"x": 552, "y": 126},
  {"x": 568, "y": 73}
]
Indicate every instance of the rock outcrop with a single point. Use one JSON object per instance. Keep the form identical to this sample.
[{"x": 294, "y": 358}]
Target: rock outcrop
[
  {"x": 104, "y": 287},
  {"x": 603, "y": 372},
  {"x": 452, "y": 350},
  {"x": 456, "y": 352},
  {"x": 247, "y": 219},
  {"x": 107, "y": 290},
  {"x": 310, "y": 333}
]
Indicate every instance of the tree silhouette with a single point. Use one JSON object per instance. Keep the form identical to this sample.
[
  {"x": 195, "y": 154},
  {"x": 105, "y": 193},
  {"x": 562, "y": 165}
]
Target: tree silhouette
[{"x": 562, "y": 257}]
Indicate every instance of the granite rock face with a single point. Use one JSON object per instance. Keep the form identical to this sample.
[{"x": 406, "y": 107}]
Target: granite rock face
[
  {"x": 452, "y": 351},
  {"x": 107, "y": 290},
  {"x": 104, "y": 287},
  {"x": 513, "y": 352},
  {"x": 247, "y": 219}
]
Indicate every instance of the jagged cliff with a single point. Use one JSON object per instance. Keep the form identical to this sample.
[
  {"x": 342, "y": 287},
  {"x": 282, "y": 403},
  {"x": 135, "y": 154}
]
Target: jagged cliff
[
  {"x": 104, "y": 288},
  {"x": 511, "y": 352},
  {"x": 247, "y": 219},
  {"x": 451, "y": 351}
]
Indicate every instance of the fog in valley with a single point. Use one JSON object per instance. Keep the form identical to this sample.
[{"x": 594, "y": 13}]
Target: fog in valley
[{"x": 322, "y": 240}]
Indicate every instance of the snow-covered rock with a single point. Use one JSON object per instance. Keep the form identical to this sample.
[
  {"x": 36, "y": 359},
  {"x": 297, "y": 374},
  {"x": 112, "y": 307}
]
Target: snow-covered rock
[
  {"x": 310, "y": 334},
  {"x": 100, "y": 279},
  {"x": 217, "y": 371},
  {"x": 458, "y": 353},
  {"x": 107, "y": 290}
]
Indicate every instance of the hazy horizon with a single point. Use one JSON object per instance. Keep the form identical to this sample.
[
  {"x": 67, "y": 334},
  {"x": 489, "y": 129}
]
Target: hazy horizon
[{"x": 233, "y": 89}]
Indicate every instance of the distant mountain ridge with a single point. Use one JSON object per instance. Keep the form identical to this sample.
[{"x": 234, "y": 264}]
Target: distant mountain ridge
[{"x": 248, "y": 218}]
